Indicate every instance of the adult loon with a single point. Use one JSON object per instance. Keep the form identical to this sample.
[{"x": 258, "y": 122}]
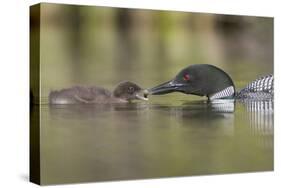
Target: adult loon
[
  {"x": 211, "y": 81},
  {"x": 124, "y": 92}
]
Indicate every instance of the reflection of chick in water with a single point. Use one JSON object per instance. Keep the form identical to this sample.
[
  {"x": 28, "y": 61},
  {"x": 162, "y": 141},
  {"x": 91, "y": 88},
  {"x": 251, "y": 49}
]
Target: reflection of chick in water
[
  {"x": 93, "y": 111},
  {"x": 123, "y": 93}
]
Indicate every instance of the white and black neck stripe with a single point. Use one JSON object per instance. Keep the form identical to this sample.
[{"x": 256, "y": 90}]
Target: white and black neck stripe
[{"x": 225, "y": 93}]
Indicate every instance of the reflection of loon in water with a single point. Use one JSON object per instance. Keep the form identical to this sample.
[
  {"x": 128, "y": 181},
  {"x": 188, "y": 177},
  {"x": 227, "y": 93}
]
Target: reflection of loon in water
[
  {"x": 260, "y": 115},
  {"x": 208, "y": 80},
  {"x": 257, "y": 116}
]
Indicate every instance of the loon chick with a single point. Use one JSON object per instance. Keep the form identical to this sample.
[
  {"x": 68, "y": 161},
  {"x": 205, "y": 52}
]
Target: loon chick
[
  {"x": 123, "y": 92},
  {"x": 208, "y": 80}
]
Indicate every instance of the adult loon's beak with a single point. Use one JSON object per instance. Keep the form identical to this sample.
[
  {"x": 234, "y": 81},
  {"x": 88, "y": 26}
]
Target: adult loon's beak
[{"x": 164, "y": 88}]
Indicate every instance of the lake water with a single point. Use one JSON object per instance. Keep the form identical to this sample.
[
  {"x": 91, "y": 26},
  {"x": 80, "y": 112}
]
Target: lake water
[{"x": 143, "y": 140}]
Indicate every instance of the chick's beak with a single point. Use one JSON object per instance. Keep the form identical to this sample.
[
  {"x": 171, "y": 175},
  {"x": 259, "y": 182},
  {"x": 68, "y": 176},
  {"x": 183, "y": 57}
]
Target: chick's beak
[{"x": 141, "y": 95}]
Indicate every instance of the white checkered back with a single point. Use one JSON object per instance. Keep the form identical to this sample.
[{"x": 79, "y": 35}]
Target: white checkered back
[{"x": 261, "y": 88}]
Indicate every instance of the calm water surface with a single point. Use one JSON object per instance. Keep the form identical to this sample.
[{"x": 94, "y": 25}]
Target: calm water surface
[{"x": 144, "y": 140}]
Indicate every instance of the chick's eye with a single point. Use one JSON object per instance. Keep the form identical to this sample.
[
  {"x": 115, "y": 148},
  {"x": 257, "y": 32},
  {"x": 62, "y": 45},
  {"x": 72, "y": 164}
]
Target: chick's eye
[
  {"x": 130, "y": 89},
  {"x": 186, "y": 77}
]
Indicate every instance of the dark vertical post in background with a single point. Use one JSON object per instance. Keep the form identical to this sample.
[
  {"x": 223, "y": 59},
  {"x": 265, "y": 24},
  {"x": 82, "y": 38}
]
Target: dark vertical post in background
[{"x": 34, "y": 127}]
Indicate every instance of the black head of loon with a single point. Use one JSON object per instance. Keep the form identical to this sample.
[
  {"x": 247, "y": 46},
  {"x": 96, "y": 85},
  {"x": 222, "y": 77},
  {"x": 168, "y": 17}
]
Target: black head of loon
[{"x": 199, "y": 79}]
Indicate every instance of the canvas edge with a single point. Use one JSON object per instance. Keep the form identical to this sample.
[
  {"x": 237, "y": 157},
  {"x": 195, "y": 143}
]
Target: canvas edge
[{"x": 34, "y": 85}]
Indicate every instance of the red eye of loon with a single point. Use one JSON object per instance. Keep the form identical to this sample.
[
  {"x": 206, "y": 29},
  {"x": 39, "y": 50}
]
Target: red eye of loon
[{"x": 186, "y": 77}]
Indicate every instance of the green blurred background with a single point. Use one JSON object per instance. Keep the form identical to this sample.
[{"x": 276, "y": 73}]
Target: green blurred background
[{"x": 90, "y": 45}]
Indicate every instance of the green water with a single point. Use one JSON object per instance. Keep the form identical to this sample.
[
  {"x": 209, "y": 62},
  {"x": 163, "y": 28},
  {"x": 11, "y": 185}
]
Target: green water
[
  {"x": 170, "y": 135},
  {"x": 145, "y": 140}
]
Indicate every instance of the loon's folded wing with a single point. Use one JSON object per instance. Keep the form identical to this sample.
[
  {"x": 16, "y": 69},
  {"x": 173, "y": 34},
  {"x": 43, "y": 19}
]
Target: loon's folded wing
[{"x": 261, "y": 88}]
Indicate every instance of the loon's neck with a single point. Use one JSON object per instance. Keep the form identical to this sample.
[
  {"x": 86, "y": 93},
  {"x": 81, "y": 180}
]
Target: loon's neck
[{"x": 226, "y": 93}]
